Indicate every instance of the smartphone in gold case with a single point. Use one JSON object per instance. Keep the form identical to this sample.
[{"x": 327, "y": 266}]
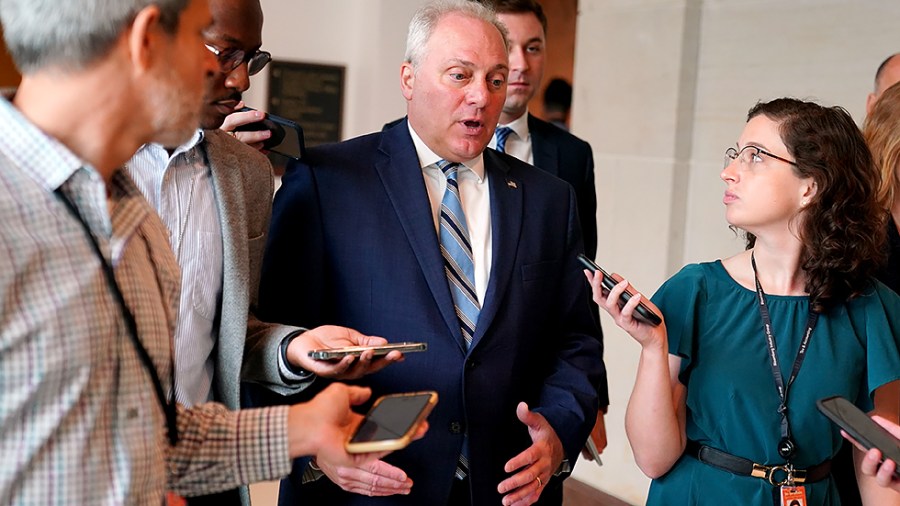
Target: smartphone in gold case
[{"x": 392, "y": 422}]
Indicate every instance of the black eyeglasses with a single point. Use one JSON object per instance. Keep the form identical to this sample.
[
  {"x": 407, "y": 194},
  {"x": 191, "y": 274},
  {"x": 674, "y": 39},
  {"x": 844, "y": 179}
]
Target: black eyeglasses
[
  {"x": 749, "y": 155},
  {"x": 233, "y": 58}
]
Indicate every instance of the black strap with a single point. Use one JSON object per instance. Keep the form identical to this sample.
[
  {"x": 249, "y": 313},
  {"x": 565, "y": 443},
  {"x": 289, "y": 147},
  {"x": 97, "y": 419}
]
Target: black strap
[
  {"x": 783, "y": 389},
  {"x": 719, "y": 459},
  {"x": 745, "y": 467},
  {"x": 168, "y": 405}
]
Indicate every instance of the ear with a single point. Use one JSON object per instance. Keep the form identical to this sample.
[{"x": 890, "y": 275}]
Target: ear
[
  {"x": 809, "y": 191},
  {"x": 142, "y": 36},
  {"x": 870, "y": 103},
  {"x": 407, "y": 80}
]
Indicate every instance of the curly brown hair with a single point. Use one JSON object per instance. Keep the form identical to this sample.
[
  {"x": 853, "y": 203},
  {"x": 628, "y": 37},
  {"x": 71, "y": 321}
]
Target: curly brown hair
[{"x": 843, "y": 230}]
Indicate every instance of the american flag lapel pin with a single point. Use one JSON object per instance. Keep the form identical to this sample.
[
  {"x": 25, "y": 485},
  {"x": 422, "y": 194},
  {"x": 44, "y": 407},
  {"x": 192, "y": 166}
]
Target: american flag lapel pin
[{"x": 512, "y": 184}]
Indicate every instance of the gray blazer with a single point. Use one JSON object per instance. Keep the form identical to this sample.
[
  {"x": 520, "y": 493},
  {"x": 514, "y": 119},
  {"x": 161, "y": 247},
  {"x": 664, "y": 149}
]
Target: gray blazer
[{"x": 247, "y": 349}]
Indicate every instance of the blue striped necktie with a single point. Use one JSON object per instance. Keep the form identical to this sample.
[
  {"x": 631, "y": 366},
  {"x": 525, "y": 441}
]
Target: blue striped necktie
[
  {"x": 502, "y": 133},
  {"x": 457, "y": 252},
  {"x": 460, "y": 269}
]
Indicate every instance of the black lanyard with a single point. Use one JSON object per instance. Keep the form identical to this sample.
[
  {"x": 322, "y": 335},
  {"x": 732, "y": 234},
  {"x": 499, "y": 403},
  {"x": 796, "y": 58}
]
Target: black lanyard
[
  {"x": 786, "y": 446},
  {"x": 168, "y": 405}
]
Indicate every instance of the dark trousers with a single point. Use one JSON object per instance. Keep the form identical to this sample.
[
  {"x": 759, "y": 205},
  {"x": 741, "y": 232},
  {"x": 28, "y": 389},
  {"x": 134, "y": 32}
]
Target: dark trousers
[{"x": 460, "y": 493}]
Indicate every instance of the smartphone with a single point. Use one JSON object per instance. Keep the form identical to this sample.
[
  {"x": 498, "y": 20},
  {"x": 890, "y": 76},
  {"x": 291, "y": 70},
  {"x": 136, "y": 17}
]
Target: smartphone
[
  {"x": 861, "y": 428},
  {"x": 339, "y": 353},
  {"x": 643, "y": 312},
  {"x": 392, "y": 422},
  {"x": 287, "y": 136}
]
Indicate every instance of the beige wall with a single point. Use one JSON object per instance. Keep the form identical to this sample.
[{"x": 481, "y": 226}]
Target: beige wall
[
  {"x": 661, "y": 89},
  {"x": 369, "y": 38}
]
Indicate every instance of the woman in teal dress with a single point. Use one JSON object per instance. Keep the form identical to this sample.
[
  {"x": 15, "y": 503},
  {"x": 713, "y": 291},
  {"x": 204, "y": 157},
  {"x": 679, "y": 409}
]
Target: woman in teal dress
[{"x": 706, "y": 404}]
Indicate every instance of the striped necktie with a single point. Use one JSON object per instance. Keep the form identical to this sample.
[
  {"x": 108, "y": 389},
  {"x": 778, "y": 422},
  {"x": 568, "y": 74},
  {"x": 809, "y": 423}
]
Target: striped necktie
[
  {"x": 502, "y": 133},
  {"x": 460, "y": 269},
  {"x": 457, "y": 252}
]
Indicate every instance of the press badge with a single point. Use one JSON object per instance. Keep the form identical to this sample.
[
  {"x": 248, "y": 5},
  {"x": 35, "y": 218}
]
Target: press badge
[{"x": 792, "y": 496}]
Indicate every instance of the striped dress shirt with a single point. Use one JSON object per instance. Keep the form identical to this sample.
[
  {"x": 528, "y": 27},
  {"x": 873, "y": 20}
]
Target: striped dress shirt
[
  {"x": 79, "y": 420},
  {"x": 180, "y": 187}
]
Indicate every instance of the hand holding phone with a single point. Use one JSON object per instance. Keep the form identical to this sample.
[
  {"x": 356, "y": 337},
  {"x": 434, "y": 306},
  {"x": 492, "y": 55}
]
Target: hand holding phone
[
  {"x": 861, "y": 428},
  {"x": 339, "y": 353},
  {"x": 286, "y": 138},
  {"x": 642, "y": 313},
  {"x": 392, "y": 422}
]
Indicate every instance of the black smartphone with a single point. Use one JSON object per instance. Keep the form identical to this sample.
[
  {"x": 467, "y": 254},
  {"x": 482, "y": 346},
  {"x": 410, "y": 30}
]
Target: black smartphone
[
  {"x": 287, "y": 136},
  {"x": 339, "y": 353},
  {"x": 643, "y": 312},
  {"x": 392, "y": 422},
  {"x": 861, "y": 428}
]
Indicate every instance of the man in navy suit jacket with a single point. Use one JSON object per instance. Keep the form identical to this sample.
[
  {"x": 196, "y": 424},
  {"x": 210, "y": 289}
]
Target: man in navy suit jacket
[
  {"x": 533, "y": 140},
  {"x": 542, "y": 144},
  {"x": 355, "y": 225}
]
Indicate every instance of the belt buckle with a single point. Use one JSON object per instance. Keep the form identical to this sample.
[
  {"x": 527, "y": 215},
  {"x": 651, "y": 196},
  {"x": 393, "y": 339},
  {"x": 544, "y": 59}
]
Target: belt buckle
[{"x": 768, "y": 473}]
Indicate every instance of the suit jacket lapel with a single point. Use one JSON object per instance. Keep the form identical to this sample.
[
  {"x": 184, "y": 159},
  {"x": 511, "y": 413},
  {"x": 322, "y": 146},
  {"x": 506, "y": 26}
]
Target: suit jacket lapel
[
  {"x": 507, "y": 212},
  {"x": 398, "y": 168},
  {"x": 545, "y": 152},
  {"x": 229, "y": 191}
]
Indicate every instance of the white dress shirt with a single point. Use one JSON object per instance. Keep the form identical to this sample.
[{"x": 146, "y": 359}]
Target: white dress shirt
[
  {"x": 180, "y": 187},
  {"x": 475, "y": 194},
  {"x": 518, "y": 144}
]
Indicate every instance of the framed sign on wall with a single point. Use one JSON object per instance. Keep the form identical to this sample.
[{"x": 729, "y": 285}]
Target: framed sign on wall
[{"x": 312, "y": 95}]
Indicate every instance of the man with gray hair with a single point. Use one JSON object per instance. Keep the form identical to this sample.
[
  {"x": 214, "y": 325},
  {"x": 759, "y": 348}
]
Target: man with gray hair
[
  {"x": 418, "y": 233},
  {"x": 88, "y": 283}
]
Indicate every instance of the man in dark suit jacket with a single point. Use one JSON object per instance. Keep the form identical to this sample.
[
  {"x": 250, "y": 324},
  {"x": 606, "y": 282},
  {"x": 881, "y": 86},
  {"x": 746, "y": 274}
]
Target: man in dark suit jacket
[
  {"x": 542, "y": 144},
  {"x": 356, "y": 226},
  {"x": 533, "y": 140}
]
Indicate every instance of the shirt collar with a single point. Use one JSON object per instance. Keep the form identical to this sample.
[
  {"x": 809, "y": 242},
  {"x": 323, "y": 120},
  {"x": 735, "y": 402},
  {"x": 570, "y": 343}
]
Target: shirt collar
[
  {"x": 427, "y": 157},
  {"x": 519, "y": 126},
  {"x": 42, "y": 157},
  {"x": 195, "y": 139}
]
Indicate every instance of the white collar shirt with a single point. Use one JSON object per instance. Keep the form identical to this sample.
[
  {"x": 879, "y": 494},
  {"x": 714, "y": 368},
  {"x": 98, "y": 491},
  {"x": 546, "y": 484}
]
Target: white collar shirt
[
  {"x": 518, "y": 144},
  {"x": 475, "y": 195}
]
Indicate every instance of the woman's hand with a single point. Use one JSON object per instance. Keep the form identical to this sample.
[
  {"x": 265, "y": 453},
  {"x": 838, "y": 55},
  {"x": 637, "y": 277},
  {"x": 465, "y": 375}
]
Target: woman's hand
[{"x": 644, "y": 334}]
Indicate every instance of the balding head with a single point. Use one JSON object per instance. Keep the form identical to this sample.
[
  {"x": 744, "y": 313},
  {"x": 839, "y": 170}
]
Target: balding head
[{"x": 887, "y": 75}]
